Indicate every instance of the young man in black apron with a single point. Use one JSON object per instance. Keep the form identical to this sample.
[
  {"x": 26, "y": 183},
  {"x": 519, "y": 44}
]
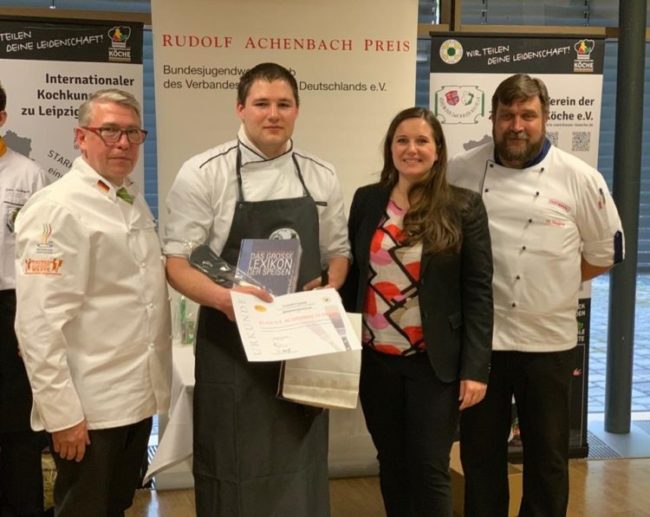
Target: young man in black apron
[{"x": 254, "y": 455}]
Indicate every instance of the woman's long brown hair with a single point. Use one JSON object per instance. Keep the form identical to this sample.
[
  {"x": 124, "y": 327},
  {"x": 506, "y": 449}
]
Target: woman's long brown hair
[{"x": 430, "y": 218}]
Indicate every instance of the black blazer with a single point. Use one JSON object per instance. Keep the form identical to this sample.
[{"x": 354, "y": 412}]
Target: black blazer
[{"x": 455, "y": 290}]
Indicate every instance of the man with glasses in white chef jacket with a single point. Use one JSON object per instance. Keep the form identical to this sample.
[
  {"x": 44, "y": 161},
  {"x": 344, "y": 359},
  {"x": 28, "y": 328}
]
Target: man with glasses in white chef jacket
[{"x": 93, "y": 313}]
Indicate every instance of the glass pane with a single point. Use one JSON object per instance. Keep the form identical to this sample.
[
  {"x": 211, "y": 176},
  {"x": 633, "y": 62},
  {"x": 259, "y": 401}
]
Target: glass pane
[{"x": 597, "y": 13}]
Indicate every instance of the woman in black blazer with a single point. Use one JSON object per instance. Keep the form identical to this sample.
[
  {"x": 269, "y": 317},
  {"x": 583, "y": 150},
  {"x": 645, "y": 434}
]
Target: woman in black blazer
[{"x": 422, "y": 276}]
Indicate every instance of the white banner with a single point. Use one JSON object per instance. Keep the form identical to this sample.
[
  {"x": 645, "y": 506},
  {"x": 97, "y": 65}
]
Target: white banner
[
  {"x": 354, "y": 62},
  {"x": 466, "y": 70},
  {"x": 49, "y": 68}
]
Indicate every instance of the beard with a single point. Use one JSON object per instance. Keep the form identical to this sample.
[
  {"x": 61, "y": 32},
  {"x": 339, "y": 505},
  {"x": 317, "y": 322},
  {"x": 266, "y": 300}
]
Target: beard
[{"x": 517, "y": 147}]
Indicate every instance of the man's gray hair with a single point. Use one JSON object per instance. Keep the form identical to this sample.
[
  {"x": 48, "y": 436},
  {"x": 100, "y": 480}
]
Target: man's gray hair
[{"x": 108, "y": 95}]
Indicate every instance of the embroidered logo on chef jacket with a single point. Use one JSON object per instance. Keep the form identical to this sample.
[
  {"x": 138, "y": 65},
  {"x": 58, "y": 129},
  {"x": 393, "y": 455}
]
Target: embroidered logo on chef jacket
[
  {"x": 12, "y": 213},
  {"x": 42, "y": 262},
  {"x": 559, "y": 204},
  {"x": 14, "y": 200},
  {"x": 43, "y": 266},
  {"x": 47, "y": 233},
  {"x": 45, "y": 246}
]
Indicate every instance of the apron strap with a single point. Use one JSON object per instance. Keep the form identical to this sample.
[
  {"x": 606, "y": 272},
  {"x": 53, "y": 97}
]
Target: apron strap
[{"x": 295, "y": 162}]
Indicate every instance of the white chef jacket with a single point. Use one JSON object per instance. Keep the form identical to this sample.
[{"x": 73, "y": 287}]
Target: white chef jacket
[
  {"x": 542, "y": 219},
  {"x": 93, "y": 318},
  {"x": 201, "y": 202},
  {"x": 20, "y": 177}
]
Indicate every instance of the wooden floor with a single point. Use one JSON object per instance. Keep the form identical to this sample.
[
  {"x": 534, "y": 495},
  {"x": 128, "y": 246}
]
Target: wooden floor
[{"x": 599, "y": 488}]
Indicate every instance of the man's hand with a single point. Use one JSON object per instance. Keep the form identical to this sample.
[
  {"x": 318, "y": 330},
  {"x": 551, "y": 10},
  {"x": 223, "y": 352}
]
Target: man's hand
[
  {"x": 589, "y": 271},
  {"x": 471, "y": 393},
  {"x": 224, "y": 303},
  {"x": 71, "y": 443},
  {"x": 199, "y": 287},
  {"x": 337, "y": 269},
  {"x": 316, "y": 283}
]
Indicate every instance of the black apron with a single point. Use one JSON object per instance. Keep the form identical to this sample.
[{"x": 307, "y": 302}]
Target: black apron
[{"x": 256, "y": 455}]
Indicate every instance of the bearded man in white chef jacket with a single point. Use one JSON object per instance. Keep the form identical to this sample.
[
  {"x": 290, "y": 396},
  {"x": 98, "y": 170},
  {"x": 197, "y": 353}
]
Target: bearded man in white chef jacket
[
  {"x": 93, "y": 313},
  {"x": 553, "y": 225}
]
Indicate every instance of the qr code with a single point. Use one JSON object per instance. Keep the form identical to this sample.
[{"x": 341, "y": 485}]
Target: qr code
[
  {"x": 580, "y": 141},
  {"x": 553, "y": 136}
]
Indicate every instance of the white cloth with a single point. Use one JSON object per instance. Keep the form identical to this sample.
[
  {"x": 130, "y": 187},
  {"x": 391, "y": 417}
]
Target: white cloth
[
  {"x": 20, "y": 177},
  {"x": 93, "y": 319},
  {"x": 175, "y": 445},
  {"x": 201, "y": 202},
  {"x": 542, "y": 220}
]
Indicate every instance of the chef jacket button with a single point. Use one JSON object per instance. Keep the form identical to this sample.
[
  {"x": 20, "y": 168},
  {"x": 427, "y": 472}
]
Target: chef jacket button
[
  {"x": 491, "y": 165},
  {"x": 514, "y": 304},
  {"x": 487, "y": 190},
  {"x": 518, "y": 277},
  {"x": 536, "y": 193},
  {"x": 151, "y": 346},
  {"x": 523, "y": 248},
  {"x": 150, "y": 305},
  {"x": 530, "y": 220}
]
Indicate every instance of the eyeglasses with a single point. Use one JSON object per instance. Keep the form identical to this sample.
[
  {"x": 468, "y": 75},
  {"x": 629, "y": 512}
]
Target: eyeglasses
[{"x": 112, "y": 135}]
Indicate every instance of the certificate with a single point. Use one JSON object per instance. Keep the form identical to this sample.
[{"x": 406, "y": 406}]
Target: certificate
[{"x": 293, "y": 325}]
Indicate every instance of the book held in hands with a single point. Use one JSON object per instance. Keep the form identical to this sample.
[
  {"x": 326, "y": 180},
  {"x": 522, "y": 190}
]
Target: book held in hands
[{"x": 272, "y": 263}]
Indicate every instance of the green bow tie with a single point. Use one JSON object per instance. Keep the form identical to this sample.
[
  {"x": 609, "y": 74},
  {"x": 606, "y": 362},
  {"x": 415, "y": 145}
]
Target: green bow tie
[{"x": 122, "y": 193}]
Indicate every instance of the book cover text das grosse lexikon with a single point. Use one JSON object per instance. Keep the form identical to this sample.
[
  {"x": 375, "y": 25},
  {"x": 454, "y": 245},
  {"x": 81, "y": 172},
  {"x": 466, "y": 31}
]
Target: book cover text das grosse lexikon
[{"x": 273, "y": 263}]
